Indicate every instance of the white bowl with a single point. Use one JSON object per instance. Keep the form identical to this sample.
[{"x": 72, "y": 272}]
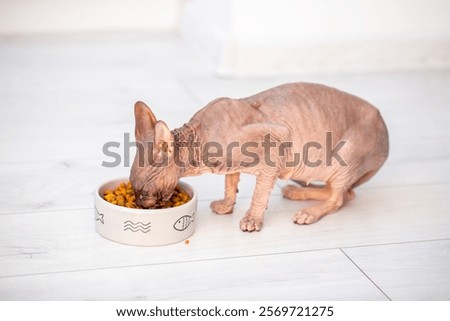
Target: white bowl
[{"x": 144, "y": 227}]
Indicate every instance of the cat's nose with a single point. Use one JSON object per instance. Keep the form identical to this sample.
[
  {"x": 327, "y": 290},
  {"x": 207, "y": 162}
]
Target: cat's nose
[{"x": 146, "y": 202}]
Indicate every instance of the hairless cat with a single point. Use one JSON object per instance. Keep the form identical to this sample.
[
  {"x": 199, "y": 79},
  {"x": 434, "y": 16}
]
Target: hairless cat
[{"x": 284, "y": 132}]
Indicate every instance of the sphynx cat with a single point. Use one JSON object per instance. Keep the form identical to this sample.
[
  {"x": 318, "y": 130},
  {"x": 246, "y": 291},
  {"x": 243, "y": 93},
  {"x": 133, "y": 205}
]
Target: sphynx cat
[{"x": 340, "y": 140}]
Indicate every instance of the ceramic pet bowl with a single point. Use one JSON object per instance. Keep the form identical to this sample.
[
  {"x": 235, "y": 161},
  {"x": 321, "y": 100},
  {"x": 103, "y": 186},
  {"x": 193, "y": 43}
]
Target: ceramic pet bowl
[{"x": 144, "y": 227}]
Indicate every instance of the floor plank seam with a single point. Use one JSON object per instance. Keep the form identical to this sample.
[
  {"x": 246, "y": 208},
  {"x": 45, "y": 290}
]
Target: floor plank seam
[
  {"x": 427, "y": 184},
  {"x": 277, "y": 193},
  {"x": 373, "y": 282},
  {"x": 48, "y": 211},
  {"x": 219, "y": 258},
  {"x": 91, "y": 208},
  {"x": 167, "y": 263},
  {"x": 53, "y": 161},
  {"x": 396, "y": 243}
]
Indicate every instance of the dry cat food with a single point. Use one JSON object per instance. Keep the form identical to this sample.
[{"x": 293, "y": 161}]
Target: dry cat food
[{"x": 123, "y": 195}]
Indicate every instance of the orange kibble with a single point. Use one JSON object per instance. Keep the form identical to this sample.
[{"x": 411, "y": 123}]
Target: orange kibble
[
  {"x": 123, "y": 195},
  {"x": 110, "y": 197}
]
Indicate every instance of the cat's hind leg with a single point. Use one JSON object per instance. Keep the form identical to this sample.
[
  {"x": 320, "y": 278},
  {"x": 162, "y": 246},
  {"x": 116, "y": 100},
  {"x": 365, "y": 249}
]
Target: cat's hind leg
[
  {"x": 330, "y": 204},
  {"x": 294, "y": 192}
]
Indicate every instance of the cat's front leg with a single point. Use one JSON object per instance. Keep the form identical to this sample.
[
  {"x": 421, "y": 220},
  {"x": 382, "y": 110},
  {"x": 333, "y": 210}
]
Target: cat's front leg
[
  {"x": 254, "y": 217},
  {"x": 226, "y": 205}
]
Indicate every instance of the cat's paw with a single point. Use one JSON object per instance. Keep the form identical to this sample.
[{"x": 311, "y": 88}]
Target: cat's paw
[
  {"x": 305, "y": 217},
  {"x": 222, "y": 207},
  {"x": 291, "y": 192},
  {"x": 251, "y": 223}
]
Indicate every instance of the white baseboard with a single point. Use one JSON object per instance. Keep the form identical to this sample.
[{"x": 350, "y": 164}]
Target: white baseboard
[{"x": 258, "y": 59}]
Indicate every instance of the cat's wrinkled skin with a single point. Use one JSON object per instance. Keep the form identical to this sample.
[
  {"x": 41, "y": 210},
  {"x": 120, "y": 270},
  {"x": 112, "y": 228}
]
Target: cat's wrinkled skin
[{"x": 299, "y": 113}]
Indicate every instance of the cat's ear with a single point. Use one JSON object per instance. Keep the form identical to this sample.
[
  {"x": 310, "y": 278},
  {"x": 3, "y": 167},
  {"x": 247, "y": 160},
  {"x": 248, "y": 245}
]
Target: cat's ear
[
  {"x": 163, "y": 143},
  {"x": 145, "y": 120}
]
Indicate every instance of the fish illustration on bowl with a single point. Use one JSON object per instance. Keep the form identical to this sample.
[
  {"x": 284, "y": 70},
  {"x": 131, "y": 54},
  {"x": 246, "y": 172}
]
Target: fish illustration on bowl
[
  {"x": 183, "y": 222},
  {"x": 99, "y": 216}
]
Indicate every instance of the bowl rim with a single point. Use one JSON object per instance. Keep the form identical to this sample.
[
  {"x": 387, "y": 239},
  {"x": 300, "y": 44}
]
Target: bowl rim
[{"x": 128, "y": 210}]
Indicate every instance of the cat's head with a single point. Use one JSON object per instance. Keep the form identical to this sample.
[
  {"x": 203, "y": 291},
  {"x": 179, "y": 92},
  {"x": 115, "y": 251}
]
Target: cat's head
[{"x": 154, "y": 175}]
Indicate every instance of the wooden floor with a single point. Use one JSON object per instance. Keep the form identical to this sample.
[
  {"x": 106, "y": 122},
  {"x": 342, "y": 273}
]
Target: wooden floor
[{"x": 62, "y": 99}]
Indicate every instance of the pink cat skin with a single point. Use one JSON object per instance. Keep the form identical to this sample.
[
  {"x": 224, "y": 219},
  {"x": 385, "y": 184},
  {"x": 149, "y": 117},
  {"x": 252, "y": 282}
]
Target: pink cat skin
[{"x": 300, "y": 131}]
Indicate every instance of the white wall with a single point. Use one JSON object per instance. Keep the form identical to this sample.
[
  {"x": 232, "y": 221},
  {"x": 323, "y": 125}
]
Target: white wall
[
  {"x": 316, "y": 21},
  {"x": 262, "y": 37},
  {"x": 24, "y": 17},
  {"x": 268, "y": 37},
  {"x": 206, "y": 25}
]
